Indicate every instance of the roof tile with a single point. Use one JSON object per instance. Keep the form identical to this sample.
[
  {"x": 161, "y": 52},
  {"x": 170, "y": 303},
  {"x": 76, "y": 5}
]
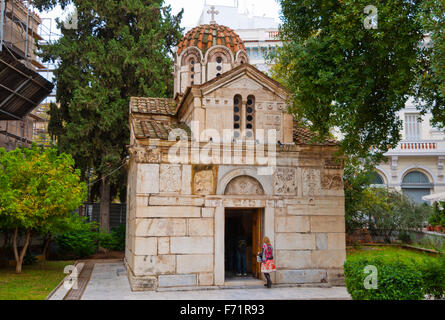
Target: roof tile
[
  {"x": 163, "y": 106},
  {"x": 207, "y": 35}
]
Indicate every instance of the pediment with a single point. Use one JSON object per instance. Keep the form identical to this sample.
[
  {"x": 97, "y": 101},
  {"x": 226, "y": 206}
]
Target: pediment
[
  {"x": 244, "y": 83},
  {"x": 245, "y": 77}
]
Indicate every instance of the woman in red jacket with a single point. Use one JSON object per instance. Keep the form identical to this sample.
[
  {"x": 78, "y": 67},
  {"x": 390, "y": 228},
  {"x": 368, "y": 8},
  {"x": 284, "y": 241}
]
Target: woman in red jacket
[{"x": 267, "y": 264}]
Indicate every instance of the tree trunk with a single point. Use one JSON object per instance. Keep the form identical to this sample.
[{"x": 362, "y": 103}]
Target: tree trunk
[
  {"x": 19, "y": 257},
  {"x": 105, "y": 205},
  {"x": 45, "y": 249}
]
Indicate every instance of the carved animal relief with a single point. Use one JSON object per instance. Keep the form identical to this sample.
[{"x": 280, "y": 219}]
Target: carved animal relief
[
  {"x": 203, "y": 182},
  {"x": 332, "y": 181},
  {"x": 285, "y": 181}
]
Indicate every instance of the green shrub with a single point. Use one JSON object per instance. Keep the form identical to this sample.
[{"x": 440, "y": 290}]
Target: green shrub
[
  {"x": 395, "y": 280},
  {"x": 29, "y": 259},
  {"x": 106, "y": 240},
  {"x": 437, "y": 216},
  {"x": 115, "y": 240},
  {"x": 433, "y": 277},
  {"x": 79, "y": 243},
  {"x": 118, "y": 234},
  {"x": 405, "y": 236}
]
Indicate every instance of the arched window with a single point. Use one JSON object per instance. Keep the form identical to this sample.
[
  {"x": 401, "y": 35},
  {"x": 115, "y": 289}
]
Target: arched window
[
  {"x": 237, "y": 102},
  {"x": 377, "y": 179},
  {"x": 192, "y": 71},
  {"x": 415, "y": 185},
  {"x": 219, "y": 61},
  {"x": 250, "y": 116},
  {"x": 415, "y": 177}
]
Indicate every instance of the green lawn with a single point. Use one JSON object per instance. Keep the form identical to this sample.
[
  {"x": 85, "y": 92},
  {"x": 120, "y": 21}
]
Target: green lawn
[
  {"x": 388, "y": 253},
  {"x": 34, "y": 283}
]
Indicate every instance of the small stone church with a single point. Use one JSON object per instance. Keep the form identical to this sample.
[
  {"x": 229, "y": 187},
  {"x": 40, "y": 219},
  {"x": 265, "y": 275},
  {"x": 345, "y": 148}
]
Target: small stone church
[{"x": 224, "y": 159}]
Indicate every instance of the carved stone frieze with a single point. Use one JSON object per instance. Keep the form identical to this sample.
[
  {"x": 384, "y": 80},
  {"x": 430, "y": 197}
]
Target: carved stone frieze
[
  {"x": 146, "y": 154},
  {"x": 332, "y": 163},
  {"x": 331, "y": 182}
]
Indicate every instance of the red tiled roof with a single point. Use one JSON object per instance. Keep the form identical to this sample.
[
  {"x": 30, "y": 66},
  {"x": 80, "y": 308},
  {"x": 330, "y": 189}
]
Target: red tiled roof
[
  {"x": 303, "y": 135},
  {"x": 208, "y": 35},
  {"x": 163, "y": 106},
  {"x": 155, "y": 129}
]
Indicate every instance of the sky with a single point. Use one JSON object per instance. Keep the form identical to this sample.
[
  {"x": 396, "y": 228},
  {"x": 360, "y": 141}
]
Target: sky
[{"x": 193, "y": 9}]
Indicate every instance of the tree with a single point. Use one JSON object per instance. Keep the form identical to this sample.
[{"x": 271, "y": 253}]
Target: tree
[
  {"x": 357, "y": 178},
  {"x": 430, "y": 91},
  {"x": 348, "y": 74},
  {"x": 118, "y": 49},
  {"x": 58, "y": 225},
  {"x": 37, "y": 187},
  {"x": 390, "y": 210}
]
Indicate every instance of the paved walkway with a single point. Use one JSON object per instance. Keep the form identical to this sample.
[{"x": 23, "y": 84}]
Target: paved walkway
[{"x": 109, "y": 282}]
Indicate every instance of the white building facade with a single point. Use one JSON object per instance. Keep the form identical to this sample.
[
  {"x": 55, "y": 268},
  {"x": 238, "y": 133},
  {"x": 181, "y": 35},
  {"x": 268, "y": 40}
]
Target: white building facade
[{"x": 416, "y": 165}]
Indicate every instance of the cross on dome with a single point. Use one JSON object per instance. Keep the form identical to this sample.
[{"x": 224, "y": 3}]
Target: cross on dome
[{"x": 213, "y": 12}]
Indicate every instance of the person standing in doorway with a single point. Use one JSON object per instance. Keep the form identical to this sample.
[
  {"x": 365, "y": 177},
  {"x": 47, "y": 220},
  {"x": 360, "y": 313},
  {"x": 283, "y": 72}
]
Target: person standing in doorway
[
  {"x": 232, "y": 254},
  {"x": 267, "y": 264},
  {"x": 241, "y": 252}
]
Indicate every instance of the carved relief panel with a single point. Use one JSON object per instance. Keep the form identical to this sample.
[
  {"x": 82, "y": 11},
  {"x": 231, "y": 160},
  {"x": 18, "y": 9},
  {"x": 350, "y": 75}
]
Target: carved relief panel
[
  {"x": 311, "y": 182},
  {"x": 204, "y": 179},
  {"x": 244, "y": 185},
  {"x": 285, "y": 182},
  {"x": 332, "y": 182},
  {"x": 170, "y": 178}
]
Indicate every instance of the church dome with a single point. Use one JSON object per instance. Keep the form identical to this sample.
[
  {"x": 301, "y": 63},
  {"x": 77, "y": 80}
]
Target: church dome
[{"x": 208, "y": 35}]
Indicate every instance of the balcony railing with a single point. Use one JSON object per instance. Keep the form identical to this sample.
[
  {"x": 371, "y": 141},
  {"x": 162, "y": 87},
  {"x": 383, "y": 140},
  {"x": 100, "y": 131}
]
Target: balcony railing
[{"x": 419, "y": 147}]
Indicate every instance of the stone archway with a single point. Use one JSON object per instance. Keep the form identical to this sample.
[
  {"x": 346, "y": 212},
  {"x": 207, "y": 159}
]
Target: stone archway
[
  {"x": 225, "y": 177},
  {"x": 244, "y": 185}
]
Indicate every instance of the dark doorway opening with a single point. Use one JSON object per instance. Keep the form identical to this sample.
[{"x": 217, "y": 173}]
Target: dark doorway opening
[{"x": 242, "y": 237}]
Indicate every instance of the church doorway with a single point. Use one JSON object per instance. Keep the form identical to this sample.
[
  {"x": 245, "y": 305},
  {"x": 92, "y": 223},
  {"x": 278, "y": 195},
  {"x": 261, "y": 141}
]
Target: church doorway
[{"x": 242, "y": 242}]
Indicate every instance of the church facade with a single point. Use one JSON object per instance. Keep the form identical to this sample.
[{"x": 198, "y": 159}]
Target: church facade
[{"x": 224, "y": 159}]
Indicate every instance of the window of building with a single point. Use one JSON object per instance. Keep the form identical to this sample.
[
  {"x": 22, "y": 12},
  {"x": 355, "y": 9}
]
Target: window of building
[
  {"x": 219, "y": 61},
  {"x": 377, "y": 179},
  {"x": 250, "y": 116},
  {"x": 416, "y": 177},
  {"x": 192, "y": 71},
  {"x": 416, "y": 185},
  {"x": 237, "y": 101},
  {"x": 412, "y": 126}
]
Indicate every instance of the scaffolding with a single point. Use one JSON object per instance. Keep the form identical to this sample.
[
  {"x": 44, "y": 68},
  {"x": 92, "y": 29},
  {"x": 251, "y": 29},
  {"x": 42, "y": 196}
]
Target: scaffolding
[
  {"x": 47, "y": 31},
  {"x": 22, "y": 87},
  {"x": 19, "y": 30}
]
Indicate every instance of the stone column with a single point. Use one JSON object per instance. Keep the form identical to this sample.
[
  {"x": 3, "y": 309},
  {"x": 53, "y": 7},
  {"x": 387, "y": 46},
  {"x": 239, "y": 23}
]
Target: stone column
[
  {"x": 219, "y": 246},
  {"x": 269, "y": 231}
]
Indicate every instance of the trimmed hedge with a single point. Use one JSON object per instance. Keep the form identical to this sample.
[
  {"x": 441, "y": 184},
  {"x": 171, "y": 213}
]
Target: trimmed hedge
[
  {"x": 433, "y": 276},
  {"x": 395, "y": 280}
]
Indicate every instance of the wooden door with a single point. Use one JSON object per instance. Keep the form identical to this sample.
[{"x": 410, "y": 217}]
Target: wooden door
[{"x": 256, "y": 242}]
